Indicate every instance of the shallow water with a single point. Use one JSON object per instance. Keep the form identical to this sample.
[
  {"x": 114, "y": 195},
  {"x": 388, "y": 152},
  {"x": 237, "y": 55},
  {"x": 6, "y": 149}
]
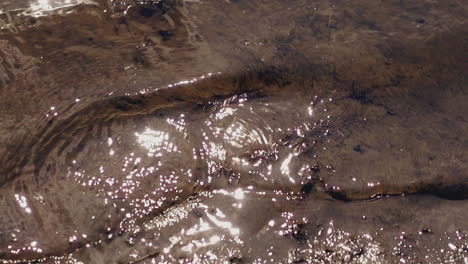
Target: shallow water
[{"x": 233, "y": 132}]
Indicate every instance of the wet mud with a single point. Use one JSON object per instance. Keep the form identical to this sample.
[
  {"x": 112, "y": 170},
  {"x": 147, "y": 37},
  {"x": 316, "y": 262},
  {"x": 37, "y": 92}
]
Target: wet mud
[{"x": 234, "y": 132}]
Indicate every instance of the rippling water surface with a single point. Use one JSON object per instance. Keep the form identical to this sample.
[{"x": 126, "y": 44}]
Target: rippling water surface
[{"x": 233, "y": 131}]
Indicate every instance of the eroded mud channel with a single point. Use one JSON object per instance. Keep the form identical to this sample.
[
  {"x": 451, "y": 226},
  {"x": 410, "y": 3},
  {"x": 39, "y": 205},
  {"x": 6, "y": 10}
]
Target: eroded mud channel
[{"x": 233, "y": 131}]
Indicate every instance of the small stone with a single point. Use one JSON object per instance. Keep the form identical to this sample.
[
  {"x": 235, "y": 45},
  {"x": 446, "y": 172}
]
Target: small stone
[
  {"x": 358, "y": 148},
  {"x": 307, "y": 188}
]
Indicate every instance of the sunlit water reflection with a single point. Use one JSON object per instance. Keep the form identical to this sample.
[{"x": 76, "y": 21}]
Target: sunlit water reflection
[
  {"x": 313, "y": 153},
  {"x": 37, "y": 8}
]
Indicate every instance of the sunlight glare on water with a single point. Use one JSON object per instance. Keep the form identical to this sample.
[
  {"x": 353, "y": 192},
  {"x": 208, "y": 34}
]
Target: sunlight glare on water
[{"x": 233, "y": 132}]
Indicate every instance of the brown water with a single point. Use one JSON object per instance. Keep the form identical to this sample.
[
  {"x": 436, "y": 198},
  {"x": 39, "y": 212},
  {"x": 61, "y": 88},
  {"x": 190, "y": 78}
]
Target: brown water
[{"x": 233, "y": 131}]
